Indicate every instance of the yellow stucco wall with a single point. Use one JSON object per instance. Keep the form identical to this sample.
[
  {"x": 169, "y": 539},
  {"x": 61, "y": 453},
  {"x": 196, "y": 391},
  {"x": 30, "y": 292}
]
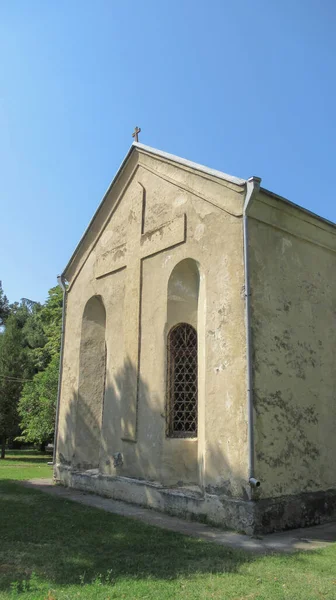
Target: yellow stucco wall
[
  {"x": 217, "y": 459},
  {"x": 292, "y": 263}
]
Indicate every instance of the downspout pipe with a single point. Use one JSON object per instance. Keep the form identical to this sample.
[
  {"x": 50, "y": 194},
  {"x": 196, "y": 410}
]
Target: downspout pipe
[
  {"x": 61, "y": 283},
  {"x": 252, "y": 188}
]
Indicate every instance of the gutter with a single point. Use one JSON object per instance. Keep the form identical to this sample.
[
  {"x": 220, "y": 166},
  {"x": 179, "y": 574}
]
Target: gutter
[
  {"x": 61, "y": 283},
  {"x": 252, "y": 188}
]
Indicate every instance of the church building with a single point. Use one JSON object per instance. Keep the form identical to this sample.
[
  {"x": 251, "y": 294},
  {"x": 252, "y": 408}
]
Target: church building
[{"x": 198, "y": 356}]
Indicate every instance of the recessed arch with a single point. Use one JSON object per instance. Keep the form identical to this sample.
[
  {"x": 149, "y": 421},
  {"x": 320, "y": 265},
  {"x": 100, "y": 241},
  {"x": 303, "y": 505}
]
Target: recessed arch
[
  {"x": 91, "y": 384},
  {"x": 183, "y": 293},
  {"x": 182, "y": 350}
]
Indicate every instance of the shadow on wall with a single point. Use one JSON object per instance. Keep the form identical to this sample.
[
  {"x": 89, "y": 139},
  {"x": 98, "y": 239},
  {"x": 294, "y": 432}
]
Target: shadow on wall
[
  {"x": 147, "y": 459},
  {"x": 91, "y": 384},
  {"x": 105, "y": 411},
  {"x": 100, "y": 433}
]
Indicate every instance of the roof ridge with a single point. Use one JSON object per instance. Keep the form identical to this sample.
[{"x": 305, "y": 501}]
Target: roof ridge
[{"x": 189, "y": 163}]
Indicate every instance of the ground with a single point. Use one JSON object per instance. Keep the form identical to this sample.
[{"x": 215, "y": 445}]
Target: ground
[{"x": 54, "y": 549}]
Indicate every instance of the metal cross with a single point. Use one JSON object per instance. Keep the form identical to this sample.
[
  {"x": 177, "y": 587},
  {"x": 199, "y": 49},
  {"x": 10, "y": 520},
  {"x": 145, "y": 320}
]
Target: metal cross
[{"x": 136, "y": 134}]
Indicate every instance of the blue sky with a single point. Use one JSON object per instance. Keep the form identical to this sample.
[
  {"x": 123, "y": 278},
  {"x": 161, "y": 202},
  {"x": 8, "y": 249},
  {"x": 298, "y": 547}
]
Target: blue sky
[{"x": 247, "y": 87}]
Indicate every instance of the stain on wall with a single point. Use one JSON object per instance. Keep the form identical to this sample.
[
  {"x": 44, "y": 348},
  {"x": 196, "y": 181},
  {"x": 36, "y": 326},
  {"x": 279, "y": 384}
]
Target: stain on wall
[
  {"x": 218, "y": 457},
  {"x": 293, "y": 299}
]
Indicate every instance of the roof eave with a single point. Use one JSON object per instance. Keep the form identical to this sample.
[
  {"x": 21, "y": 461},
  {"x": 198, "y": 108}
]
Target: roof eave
[
  {"x": 115, "y": 178},
  {"x": 188, "y": 163},
  {"x": 297, "y": 206},
  {"x": 165, "y": 155}
]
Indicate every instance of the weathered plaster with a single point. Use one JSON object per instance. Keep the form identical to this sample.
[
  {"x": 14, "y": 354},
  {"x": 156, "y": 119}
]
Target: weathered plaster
[
  {"x": 217, "y": 458},
  {"x": 292, "y": 258},
  {"x": 165, "y": 246},
  {"x": 91, "y": 385}
]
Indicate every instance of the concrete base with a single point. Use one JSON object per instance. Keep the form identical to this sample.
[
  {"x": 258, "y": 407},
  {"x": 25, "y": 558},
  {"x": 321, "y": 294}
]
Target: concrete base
[
  {"x": 311, "y": 538},
  {"x": 289, "y": 512},
  {"x": 188, "y": 502},
  {"x": 250, "y": 517}
]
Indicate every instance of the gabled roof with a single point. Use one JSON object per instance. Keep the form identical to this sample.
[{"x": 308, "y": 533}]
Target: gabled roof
[
  {"x": 189, "y": 163},
  {"x": 143, "y": 149},
  {"x": 165, "y": 156}
]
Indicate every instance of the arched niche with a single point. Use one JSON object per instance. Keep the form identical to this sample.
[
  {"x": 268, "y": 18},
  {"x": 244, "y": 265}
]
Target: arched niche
[
  {"x": 183, "y": 292},
  {"x": 91, "y": 384},
  {"x": 182, "y": 351}
]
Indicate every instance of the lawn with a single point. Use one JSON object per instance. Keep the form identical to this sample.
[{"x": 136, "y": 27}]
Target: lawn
[
  {"x": 25, "y": 464},
  {"x": 55, "y": 549}
]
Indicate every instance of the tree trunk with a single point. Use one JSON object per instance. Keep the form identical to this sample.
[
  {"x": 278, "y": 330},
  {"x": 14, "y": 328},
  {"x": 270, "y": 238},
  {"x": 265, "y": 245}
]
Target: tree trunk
[
  {"x": 3, "y": 447},
  {"x": 43, "y": 446}
]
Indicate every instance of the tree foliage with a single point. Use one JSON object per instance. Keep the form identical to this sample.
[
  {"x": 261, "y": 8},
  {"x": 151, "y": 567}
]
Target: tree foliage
[
  {"x": 37, "y": 405},
  {"x": 14, "y": 369},
  {"x": 4, "y": 306},
  {"x": 30, "y": 339}
]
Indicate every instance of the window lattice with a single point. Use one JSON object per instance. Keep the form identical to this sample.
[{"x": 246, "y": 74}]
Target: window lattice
[{"x": 182, "y": 382}]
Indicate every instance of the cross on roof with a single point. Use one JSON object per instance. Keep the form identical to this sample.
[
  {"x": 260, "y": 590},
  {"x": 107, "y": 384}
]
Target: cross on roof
[{"x": 136, "y": 134}]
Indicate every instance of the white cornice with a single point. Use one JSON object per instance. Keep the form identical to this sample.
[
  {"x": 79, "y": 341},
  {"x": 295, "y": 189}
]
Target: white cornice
[{"x": 189, "y": 163}]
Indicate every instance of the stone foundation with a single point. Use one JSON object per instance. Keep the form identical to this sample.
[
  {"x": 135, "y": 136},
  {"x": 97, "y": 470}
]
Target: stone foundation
[{"x": 250, "y": 517}]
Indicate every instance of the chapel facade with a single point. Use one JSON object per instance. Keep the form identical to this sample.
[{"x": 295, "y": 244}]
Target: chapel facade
[{"x": 197, "y": 372}]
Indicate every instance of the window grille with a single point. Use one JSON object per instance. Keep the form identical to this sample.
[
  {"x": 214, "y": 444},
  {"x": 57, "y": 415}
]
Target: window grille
[{"x": 182, "y": 381}]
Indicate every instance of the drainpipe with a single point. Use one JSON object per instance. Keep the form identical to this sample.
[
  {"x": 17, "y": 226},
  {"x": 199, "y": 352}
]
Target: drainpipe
[
  {"x": 61, "y": 283},
  {"x": 252, "y": 188}
]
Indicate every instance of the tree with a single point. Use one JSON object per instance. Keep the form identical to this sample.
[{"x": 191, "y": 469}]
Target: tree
[
  {"x": 51, "y": 319},
  {"x": 37, "y": 405},
  {"x": 4, "y": 306},
  {"x": 13, "y": 371}
]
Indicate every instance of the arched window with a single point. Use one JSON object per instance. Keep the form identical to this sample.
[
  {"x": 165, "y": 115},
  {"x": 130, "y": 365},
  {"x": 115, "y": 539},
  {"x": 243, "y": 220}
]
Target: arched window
[{"x": 182, "y": 381}]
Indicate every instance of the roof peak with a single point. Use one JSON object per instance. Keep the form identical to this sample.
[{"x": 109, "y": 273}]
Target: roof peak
[{"x": 189, "y": 163}]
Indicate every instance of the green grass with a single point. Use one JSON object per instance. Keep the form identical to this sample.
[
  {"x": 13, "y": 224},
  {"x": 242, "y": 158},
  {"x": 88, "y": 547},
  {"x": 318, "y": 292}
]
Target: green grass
[
  {"x": 55, "y": 549},
  {"x": 25, "y": 464}
]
